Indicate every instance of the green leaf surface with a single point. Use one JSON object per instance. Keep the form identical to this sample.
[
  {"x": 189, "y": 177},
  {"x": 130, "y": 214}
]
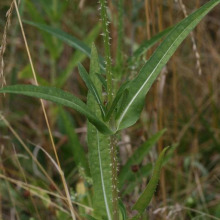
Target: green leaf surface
[
  {"x": 122, "y": 210},
  {"x": 102, "y": 80},
  {"x": 137, "y": 157},
  {"x": 60, "y": 97},
  {"x": 77, "y": 57},
  {"x": 89, "y": 217},
  {"x": 146, "y": 45},
  {"x": 139, "y": 87},
  {"x": 72, "y": 148},
  {"x": 99, "y": 156},
  {"x": 136, "y": 178},
  {"x": 90, "y": 85},
  {"x": 149, "y": 191},
  {"x": 116, "y": 100},
  {"x": 63, "y": 36},
  {"x": 54, "y": 46},
  {"x": 26, "y": 74}
]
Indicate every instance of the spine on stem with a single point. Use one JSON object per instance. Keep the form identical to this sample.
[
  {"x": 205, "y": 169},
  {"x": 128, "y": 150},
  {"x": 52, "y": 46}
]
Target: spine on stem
[
  {"x": 106, "y": 38},
  {"x": 110, "y": 95}
]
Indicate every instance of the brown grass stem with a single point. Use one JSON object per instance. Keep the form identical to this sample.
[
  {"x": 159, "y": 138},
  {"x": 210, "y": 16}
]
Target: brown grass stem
[{"x": 45, "y": 115}]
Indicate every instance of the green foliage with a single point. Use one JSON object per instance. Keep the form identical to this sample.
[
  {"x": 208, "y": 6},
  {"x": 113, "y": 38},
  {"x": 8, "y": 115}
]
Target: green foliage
[
  {"x": 148, "y": 193},
  {"x": 60, "y": 97},
  {"x": 99, "y": 156},
  {"x": 137, "y": 157},
  {"x": 85, "y": 76},
  {"x": 73, "y": 148},
  {"x": 139, "y": 87},
  {"x": 63, "y": 36},
  {"x": 108, "y": 114},
  {"x": 146, "y": 45},
  {"x": 77, "y": 57}
]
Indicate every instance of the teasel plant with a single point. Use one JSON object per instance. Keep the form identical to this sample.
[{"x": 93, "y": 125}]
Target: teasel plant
[{"x": 107, "y": 115}]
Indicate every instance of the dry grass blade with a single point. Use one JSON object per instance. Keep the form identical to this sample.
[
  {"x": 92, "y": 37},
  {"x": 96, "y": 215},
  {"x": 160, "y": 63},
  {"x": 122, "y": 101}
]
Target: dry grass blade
[
  {"x": 195, "y": 49},
  {"x": 33, "y": 191},
  {"x": 21, "y": 170},
  {"x": 4, "y": 44},
  {"x": 29, "y": 152},
  {"x": 45, "y": 115},
  {"x": 38, "y": 191}
]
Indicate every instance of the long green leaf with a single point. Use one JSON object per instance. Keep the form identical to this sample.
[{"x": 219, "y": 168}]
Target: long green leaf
[
  {"x": 90, "y": 85},
  {"x": 137, "y": 157},
  {"x": 123, "y": 210},
  {"x": 60, "y": 97},
  {"x": 99, "y": 156},
  {"x": 139, "y": 87},
  {"x": 148, "y": 193},
  {"x": 54, "y": 46},
  {"x": 136, "y": 178},
  {"x": 70, "y": 40},
  {"x": 77, "y": 57},
  {"x": 147, "y": 45}
]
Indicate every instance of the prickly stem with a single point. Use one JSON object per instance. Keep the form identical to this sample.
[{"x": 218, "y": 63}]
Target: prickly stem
[
  {"x": 106, "y": 38},
  {"x": 114, "y": 162}
]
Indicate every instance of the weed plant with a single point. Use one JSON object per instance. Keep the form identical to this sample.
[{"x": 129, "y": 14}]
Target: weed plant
[{"x": 114, "y": 103}]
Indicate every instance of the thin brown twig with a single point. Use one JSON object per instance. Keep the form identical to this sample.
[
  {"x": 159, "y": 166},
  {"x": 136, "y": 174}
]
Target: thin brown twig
[
  {"x": 25, "y": 179},
  {"x": 4, "y": 44},
  {"x": 195, "y": 48}
]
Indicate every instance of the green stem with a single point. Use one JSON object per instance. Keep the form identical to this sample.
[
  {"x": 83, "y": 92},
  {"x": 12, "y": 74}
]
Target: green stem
[
  {"x": 114, "y": 162},
  {"x": 119, "y": 57},
  {"x": 108, "y": 62}
]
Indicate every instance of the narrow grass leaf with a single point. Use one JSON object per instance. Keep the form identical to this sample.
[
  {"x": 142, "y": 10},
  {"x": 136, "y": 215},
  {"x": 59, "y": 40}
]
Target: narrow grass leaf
[
  {"x": 99, "y": 156},
  {"x": 146, "y": 196},
  {"x": 135, "y": 178},
  {"x": 90, "y": 85},
  {"x": 139, "y": 87},
  {"x": 70, "y": 40},
  {"x": 146, "y": 45},
  {"x": 123, "y": 210},
  {"x": 137, "y": 157},
  {"x": 55, "y": 47},
  {"x": 77, "y": 57},
  {"x": 60, "y": 97}
]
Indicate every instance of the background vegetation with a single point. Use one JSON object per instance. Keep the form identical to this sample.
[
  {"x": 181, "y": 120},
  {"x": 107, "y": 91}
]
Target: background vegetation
[{"x": 185, "y": 101}]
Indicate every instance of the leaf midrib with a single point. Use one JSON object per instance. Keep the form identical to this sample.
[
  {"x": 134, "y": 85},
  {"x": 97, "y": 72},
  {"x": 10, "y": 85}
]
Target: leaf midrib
[
  {"x": 102, "y": 179},
  {"x": 132, "y": 100}
]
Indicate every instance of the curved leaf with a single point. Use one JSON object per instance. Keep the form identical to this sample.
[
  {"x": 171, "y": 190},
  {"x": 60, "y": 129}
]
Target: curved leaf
[
  {"x": 63, "y": 36},
  {"x": 60, "y": 97},
  {"x": 148, "y": 193},
  {"x": 139, "y": 87},
  {"x": 77, "y": 57},
  {"x": 143, "y": 48},
  {"x": 138, "y": 156},
  {"x": 90, "y": 85}
]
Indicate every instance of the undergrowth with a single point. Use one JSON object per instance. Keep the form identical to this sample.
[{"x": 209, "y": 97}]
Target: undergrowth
[{"x": 59, "y": 166}]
